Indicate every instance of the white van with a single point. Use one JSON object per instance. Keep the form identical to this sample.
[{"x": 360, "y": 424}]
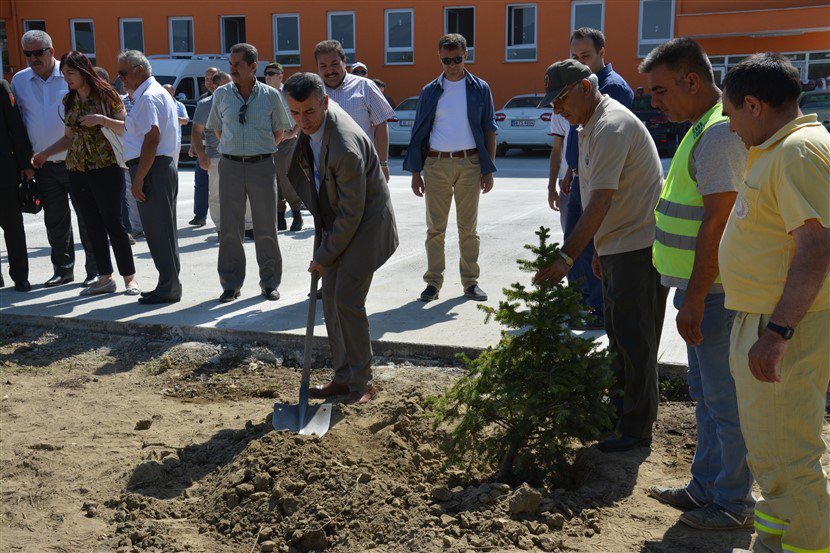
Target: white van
[{"x": 187, "y": 74}]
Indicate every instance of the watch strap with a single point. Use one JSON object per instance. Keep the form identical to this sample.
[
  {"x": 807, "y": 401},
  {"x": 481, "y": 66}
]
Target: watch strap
[{"x": 785, "y": 332}]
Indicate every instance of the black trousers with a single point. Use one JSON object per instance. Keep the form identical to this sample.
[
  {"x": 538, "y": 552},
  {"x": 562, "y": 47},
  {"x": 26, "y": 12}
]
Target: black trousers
[
  {"x": 99, "y": 194},
  {"x": 635, "y": 305},
  {"x": 11, "y": 220},
  {"x": 53, "y": 185}
]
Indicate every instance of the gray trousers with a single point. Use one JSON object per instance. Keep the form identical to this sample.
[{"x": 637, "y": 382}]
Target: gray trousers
[
  {"x": 239, "y": 182},
  {"x": 344, "y": 308},
  {"x": 158, "y": 216},
  {"x": 284, "y": 188}
]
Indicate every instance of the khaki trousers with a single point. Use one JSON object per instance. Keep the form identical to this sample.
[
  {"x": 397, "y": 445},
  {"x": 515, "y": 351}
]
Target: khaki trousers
[
  {"x": 444, "y": 179},
  {"x": 782, "y": 425},
  {"x": 213, "y": 196}
]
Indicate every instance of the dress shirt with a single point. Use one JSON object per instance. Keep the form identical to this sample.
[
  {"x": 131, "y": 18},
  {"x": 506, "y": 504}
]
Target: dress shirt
[
  {"x": 363, "y": 100},
  {"x": 41, "y": 104},
  {"x": 316, "y": 142},
  {"x": 154, "y": 107}
]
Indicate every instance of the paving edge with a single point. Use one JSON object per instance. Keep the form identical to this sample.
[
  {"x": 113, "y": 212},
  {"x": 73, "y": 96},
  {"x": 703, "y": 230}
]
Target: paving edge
[{"x": 385, "y": 350}]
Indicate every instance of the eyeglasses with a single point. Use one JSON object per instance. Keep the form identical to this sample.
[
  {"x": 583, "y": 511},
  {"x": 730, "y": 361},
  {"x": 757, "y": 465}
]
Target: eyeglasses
[
  {"x": 123, "y": 73},
  {"x": 359, "y": 72},
  {"x": 34, "y": 53},
  {"x": 272, "y": 73},
  {"x": 450, "y": 61},
  {"x": 242, "y": 110},
  {"x": 561, "y": 97}
]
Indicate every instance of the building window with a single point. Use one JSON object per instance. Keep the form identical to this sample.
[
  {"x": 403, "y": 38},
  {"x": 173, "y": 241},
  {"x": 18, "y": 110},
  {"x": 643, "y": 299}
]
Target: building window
[
  {"x": 181, "y": 36},
  {"x": 34, "y": 25},
  {"x": 233, "y": 31},
  {"x": 521, "y": 32},
  {"x": 83, "y": 38},
  {"x": 656, "y": 24},
  {"x": 287, "y": 39},
  {"x": 400, "y": 37},
  {"x": 4, "y": 48},
  {"x": 342, "y": 29},
  {"x": 463, "y": 22},
  {"x": 132, "y": 34},
  {"x": 587, "y": 13},
  {"x": 819, "y": 67}
]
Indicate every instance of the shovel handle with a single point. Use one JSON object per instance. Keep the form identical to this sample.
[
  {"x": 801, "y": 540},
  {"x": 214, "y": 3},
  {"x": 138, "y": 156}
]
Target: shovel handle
[{"x": 309, "y": 335}]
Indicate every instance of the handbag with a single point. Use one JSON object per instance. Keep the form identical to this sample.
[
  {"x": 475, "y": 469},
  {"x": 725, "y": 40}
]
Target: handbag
[
  {"x": 28, "y": 197},
  {"x": 115, "y": 140}
]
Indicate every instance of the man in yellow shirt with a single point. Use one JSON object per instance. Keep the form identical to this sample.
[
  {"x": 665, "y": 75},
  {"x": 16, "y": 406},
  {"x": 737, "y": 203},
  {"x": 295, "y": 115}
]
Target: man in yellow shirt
[{"x": 774, "y": 259}]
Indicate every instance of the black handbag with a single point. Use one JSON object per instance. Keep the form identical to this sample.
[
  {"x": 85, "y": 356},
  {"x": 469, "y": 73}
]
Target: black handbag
[{"x": 28, "y": 197}]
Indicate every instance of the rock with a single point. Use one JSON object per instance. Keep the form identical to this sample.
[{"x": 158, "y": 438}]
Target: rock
[
  {"x": 524, "y": 500},
  {"x": 266, "y": 533},
  {"x": 447, "y": 520},
  {"x": 547, "y": 543},
  {"x": 171, "y": 461},
  {"x": 143, "y": 424},
  {"x": 441, "y": 493},
  {"x": 267, "y": 546},
  {"x": 244, "y": 489},
  {"x": 448, "y": 542},
  {"x": 364, "y": 478},
  {"x": 555, "y": 521},
  {"x": 262, "y": 482},
  {"x": 232, "y": 500},
  {"x": 316, "y": 540},
  {"x": 427, "y": 451},
  {"x": 290, "y": 505},
  {"x": 524, "y": 543}
]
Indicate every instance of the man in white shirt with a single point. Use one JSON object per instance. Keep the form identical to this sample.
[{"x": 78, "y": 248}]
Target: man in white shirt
[
  {"x": 359, "y": 97},
  {"x": 151, "y": 139},
  {"x": 558, "y": 201},
  {"x": 39, "y": 90}
]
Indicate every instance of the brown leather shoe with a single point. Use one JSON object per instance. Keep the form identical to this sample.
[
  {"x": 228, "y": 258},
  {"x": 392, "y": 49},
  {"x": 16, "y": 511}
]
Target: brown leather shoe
[
  {"x": 330, "y": 388},
  {"x": 363, "y": 397}
]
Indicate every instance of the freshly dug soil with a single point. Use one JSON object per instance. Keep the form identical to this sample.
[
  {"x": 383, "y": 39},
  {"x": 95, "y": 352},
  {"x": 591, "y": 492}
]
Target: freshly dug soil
[{"x": 117, "y": 444}]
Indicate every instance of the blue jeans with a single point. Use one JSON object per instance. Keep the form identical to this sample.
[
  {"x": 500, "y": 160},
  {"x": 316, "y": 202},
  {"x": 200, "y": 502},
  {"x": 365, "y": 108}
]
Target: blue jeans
[
  {"x": 200, "y": 193},
  {"x": 719, "y": 470},
  {"x": 591, "y": 286}
]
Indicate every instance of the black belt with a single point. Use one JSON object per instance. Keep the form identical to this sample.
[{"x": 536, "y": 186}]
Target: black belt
[
  {"x": 135, "y": 160},
  {"x": 460, "y": 153},
  {"x": 248, "y": 159}
]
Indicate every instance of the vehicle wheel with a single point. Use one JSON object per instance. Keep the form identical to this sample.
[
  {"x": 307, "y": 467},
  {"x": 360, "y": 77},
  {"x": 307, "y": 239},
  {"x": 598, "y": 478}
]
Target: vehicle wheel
[{"x": 501, "y": 150}]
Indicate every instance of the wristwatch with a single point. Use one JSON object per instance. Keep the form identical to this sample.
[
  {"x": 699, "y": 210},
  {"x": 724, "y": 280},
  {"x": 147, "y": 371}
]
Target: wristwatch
[
  {"x": 384, "y": 163},
  {"x": 568, "y": 259},
  {"x": 785, "y": 332}
]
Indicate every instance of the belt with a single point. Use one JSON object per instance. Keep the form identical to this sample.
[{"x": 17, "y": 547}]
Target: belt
[
  {"x": 460, "y": 153},
  {"x": 248, "y": 159},
  {"x": 135, "y": 160}
]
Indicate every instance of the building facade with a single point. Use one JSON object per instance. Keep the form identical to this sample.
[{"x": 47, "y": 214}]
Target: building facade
[{"x": 511, "y": 43}]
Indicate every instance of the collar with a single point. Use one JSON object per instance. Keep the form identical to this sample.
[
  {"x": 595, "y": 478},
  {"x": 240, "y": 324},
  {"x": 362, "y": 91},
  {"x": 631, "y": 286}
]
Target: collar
[
  {"x": 605, "y": 72},
  {"x": 254, "y": 90},
  {"x": 700, "y": 122},
  {"x": 142, "y": 88},
  {"x": 317, "y": 136},
  {"x": 810, "y": 120},
  {"x": 467, "y": 76},
  {"x": 343, "y": 83},
  {"x": 589, "y": 126},
  {"x": 56, "y": 73}
]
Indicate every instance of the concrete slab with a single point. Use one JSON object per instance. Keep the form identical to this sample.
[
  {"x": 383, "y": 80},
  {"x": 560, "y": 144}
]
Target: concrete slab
[{"x": 509, "y": 216}]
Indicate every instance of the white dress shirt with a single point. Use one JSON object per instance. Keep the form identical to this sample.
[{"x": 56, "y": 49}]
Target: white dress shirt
[
  {"x": 451, "y": 130},
  {"x": 154, "y": 107},
  {"x": 316, "y": 143},
  {"x": 41, "y": 104},
  {"x": 362, "y": 99}
]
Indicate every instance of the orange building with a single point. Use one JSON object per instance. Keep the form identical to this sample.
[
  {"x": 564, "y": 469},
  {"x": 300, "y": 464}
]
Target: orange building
[{"x": 511, "y": 42}]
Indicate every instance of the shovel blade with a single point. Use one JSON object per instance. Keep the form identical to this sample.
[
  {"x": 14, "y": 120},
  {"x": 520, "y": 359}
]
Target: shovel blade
[{"x": 317, "y": 418}]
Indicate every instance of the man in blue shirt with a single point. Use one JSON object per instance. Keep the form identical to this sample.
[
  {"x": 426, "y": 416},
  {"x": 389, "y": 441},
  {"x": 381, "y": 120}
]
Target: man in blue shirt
[
  {"x": 454, "y": 144},
  {"x": 588, "y": 47}
]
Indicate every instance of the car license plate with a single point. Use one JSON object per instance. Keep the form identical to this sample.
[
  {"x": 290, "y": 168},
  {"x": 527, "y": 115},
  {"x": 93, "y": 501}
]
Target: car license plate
[
  {"x": 406, "y": 122},
  {"x": 522, "y": 123}
]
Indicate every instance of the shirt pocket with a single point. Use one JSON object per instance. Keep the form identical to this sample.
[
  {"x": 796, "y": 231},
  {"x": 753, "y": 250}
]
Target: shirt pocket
[{"x": 747, "y": 204}]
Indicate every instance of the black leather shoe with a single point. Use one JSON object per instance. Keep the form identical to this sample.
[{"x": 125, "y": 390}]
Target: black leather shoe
[
  {"x": 197, "y": 222},
  {"x": 154, "y": 299},
  {"x": 90, "y": 280},
  {"x": 271, "y": 294},
  {"x": 430, "y": 293},
  {"x": 475, "y": 293},
  {"x": 624, "y": 443},
  {"x": 22, "y": 286},
  {"x": 296, "y": 221},
  {"x": 249, "y": 234},
  {"x": 281, "y": 223},
  {"x": 319, "y": 294},
  {"x": 229, "y": 295},
  {"x": 148, "y": 293},
  {"x": 57, "y": 280}
]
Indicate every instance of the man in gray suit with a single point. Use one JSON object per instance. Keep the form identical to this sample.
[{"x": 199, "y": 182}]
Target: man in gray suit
[{"x": 336, "y": 172}]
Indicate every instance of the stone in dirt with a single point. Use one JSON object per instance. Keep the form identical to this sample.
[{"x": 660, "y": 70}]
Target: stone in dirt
[
  {"x": 267, "y": 546},
  {"x": 524, "y": 500},
  {"x": 143, "y": 424}
]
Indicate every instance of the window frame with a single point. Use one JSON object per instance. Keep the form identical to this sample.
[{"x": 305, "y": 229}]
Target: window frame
[
  {"x": 26, "y": 22},
  {"x": 72, "y": 23},
  {"x": 277, "y": 51},
  {"x": 170, "y": 20},
  {"x": 121, "y": 22},
  {"x": 352, "y": 51},
  {"x": 507, "y": 27},
  {"x": 390, "y": 50},
  {"x": 471, "y": 50},
  {"x": 575, "y": 3},
  {"x": 653, "y": 42},
  {"x": 227, "y": 47}
]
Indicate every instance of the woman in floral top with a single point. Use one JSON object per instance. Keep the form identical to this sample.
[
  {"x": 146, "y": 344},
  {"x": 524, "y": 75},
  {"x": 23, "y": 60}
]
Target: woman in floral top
[{"x": 96, "y": 179}]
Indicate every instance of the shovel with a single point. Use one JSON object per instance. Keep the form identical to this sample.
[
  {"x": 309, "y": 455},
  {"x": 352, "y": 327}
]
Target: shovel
[{"x": 304, "y": 418}]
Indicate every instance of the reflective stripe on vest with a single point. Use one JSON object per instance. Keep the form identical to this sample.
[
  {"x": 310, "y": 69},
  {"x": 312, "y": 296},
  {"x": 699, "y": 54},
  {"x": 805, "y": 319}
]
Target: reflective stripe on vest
[{"x": 679, "y": 212}]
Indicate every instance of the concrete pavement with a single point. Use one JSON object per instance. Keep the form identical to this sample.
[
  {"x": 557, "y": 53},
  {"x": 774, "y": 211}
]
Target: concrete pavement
[{"x": 509, "y": 216}]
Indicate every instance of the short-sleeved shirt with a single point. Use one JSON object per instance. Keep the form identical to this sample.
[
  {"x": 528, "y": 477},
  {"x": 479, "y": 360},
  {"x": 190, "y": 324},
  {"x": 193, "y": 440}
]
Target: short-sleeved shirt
[
  {"x": 181, "y": 112},
  {"x": 41, "y": 107},
  {"x": 559, "y": 127},
  {"x": 363, "y": 100},
  {"x": 89, "y": 148},
  {"x": 786, "y": 184},
  {"x": 200, "y": 117},
  {"x": 617, "y": 153},
  {"x": 265, "y": 115},
  {"x": 154, "y": 107}
]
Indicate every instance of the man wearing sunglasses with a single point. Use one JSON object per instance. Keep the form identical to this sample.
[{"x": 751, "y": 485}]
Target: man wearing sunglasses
[
  {"x": 249, "y": 118},
  {"x": 454, "y": 144},
  {"x": 39, "y": 90}
]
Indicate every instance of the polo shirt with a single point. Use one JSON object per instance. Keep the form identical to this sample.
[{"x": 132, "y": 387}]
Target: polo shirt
[
  {"x": 154, "y": 107},
  {"x": 786, "y": 184},
  {"x": 41, "y": 105},
  {"x": 265, "y": 115},
  {"x": 616, "y": 152},
  {"x": 362, "y": 99}
]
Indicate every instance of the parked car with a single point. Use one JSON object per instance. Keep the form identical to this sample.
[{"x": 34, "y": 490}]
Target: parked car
[
  {"x": 666, "y": 135},
  {"x": 523, "y": 125},
  {"x": 817, "y": 102},
  {"x": 400, "y": 126}
]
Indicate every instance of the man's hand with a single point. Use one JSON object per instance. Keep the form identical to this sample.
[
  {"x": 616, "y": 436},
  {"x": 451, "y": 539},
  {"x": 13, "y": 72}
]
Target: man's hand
[
  {"x": 689, "y": 318},
  {"x": 596, "y": 266},
  {"x": 138, "y": 189},
  {"x": 486, "y": 183},
  {"x": 554, "y": 272},
  {"x": 418, "y": 185},
  {"x": 385, "y": 169},
  {"x": 765, "y": 356},
  {"x": 27, "y": 174},
  {"x": 38, "y": 160},
  {"x": 191, "y": 152},
  {"x": 315, "y": 267},
  {"x": 566, "y": 182},
  {"x": 553, "y": 197},
  {"x": 204, "y": 162}
]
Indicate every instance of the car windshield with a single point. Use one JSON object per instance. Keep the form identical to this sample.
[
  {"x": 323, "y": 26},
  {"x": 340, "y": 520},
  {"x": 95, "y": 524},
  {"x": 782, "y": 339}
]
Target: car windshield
[
  {"x": 410, "y": 104},
  {"x": 816, "y": 100},
  {"x": 642, "y": 103},
  {"x": 524, "y": 102},
  {"x": 165, "y": 79}
]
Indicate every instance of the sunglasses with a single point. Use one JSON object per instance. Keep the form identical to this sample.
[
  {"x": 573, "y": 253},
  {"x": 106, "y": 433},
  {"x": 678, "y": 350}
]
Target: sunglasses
[
  {"x": 359, "y": 72},
  {"x": 561, "y": 97},
  {"x": 272, "y": 73},
  {"x": 242, "y": 110},
  {"x": 450, "y": 61},
  {"x": 123, "y": 73},
  {"x": 34, "y": 53}
]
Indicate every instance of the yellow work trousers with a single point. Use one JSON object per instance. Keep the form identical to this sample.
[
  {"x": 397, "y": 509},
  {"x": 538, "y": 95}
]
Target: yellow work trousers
[
  {"x": 782, "y": 424},
  {"x": 444, "y": 179}
]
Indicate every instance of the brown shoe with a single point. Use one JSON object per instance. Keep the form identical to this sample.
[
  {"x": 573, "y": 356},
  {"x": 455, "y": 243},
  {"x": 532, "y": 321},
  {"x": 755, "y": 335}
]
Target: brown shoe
[
  {"x": 330, "y": 388},
  {"x": 363, "y": 397}
]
